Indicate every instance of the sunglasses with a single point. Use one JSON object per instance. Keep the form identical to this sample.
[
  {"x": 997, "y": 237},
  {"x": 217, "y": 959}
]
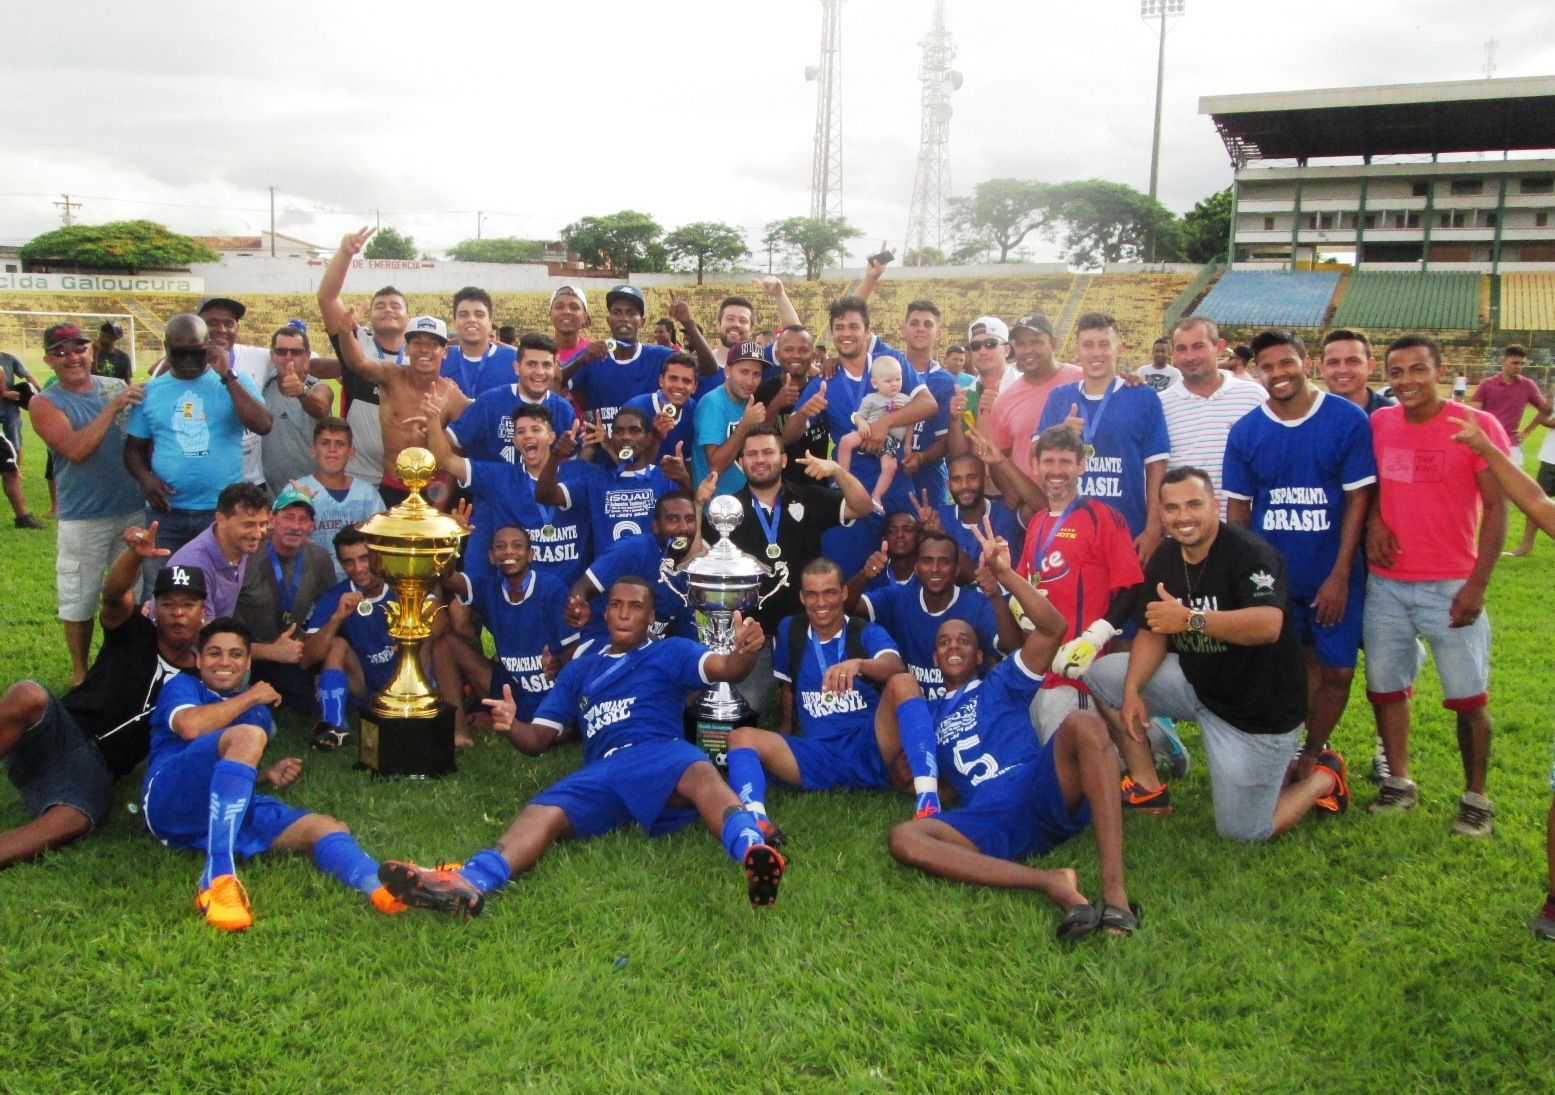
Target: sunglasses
[
  {"x": 986, "y": 344},
  {"x": 288, "y": 351},
  {"x": 191, "y": 353}
]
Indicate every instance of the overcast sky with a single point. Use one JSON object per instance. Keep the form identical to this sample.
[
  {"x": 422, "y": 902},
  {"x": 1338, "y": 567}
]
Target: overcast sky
[{"x": 539, "y": 113}]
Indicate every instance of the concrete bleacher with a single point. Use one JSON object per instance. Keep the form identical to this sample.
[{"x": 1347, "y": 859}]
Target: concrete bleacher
[
  {"x": 1136, "y": 301},
  {"x": 1429, "y": 301},
  {"x": 1528, "y": 302},
  {"x": 1271, "y": 298}
]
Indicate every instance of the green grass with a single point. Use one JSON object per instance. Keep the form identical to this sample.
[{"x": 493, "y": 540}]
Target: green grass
[{"x": 1363, "y": 954}]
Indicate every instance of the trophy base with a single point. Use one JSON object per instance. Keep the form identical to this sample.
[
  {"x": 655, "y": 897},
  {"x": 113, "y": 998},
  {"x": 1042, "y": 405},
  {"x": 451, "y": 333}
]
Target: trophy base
[
  {"x": 719, "y": 710},
  {"x": 413, "y": 748}
]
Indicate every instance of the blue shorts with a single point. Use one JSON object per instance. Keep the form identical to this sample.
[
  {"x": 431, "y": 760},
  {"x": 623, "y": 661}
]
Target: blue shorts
[
  {"x": 626, "y": 785},
  {"x": 852, "y": 763},
  {"x": 1020, "y": 814},
  {"x": 56, "y": 763},
  {"x": 176, "y": 803},
  {"x": 1337, "y": 644}
]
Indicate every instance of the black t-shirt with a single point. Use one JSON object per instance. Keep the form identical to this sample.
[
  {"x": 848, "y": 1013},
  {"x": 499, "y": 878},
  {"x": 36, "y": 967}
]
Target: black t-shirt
[
  {"x": 115, "y": 363},
  {"x": 1257, "y": 689},
  {"x": 815, "y": 442},
  {"x": 805, "y": 511},
  {"x": 114, "y": 703}
]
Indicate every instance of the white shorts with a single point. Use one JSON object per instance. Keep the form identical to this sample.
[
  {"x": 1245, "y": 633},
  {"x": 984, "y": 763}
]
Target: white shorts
[{"x": 85, "y": 549}]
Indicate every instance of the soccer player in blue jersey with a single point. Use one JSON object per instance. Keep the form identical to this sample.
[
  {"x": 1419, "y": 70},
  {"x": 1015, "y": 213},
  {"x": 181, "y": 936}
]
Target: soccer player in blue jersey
[
  {"x": 673, "y": 533},
  {"x": 1017, "y": 799},
  {"x": 348, "y": 637},
  {"x": 1300, "y": 471},
  {"x": 1122, "y": 427},
  {"x": 208, "y": 736},
  {"x": 671, "y": 409},
  {"x": 476, "y": 361},
  {"x": 523, "y": 609},
  {"x": 970, "y": 506},
  {"x": 638, "y": 768},
  {"x": 484, "y": 430},
  {"x": 609, "y": 372},
  {"x": 619, "y": 493},
  {"x": 860, "y": 718},
  {"x": 911, "y": 614}
]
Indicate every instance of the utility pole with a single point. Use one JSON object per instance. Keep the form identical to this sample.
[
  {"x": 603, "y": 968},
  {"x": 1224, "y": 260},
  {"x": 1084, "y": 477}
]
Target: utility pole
[
  {"x": 1148, "y": 10},
  {"x": 68, "y": 206},
  {"x": 272, "y": 222},
  {"x": 480, "y": 215}
]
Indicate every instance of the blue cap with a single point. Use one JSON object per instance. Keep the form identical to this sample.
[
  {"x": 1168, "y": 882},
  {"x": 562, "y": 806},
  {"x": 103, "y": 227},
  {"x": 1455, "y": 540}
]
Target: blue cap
[{"x": 627, "y": 292}]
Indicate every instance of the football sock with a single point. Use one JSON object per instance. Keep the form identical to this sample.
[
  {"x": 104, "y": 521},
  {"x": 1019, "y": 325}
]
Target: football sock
[
  {"x": 740, "y": 834},
  {"x": 748, "y": 780},
  {"x": 486, "y": 871},
  {"x": 915, "y": 726},
  {"x": 341, "y": 857},
  {"x": 232, "y": 787},
  {"x": 332, "y": 696}
]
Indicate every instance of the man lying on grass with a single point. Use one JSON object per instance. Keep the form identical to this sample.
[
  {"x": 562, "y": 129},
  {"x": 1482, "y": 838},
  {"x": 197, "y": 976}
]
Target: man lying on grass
[
  {"x": 1019, "y": 798},
  {"x": 208, "y": 735},
  {"x": 637, "y": 766}
]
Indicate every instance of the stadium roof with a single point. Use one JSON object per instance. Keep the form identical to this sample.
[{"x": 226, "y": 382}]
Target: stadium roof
[{"x": 1397, "y": 119}]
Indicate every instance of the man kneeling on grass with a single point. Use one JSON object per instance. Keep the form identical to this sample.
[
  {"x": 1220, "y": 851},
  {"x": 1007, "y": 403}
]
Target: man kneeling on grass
[
  {"x": 637, "y": 766},
  {"x": 1019, "y": 798},
  {"x": 208, "y": 735}
]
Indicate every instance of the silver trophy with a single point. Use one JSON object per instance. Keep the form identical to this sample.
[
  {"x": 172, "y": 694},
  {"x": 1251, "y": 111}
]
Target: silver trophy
[{"x": 718, "y": 584}]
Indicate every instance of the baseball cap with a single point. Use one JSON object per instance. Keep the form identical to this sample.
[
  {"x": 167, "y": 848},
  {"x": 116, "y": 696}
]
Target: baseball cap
[
  {"x": 238, "y": 310},
  {"x": 628, "y": 292},
  {"x": 109, "y": 327},
  {"x": 428, "y": 325},
  {"x": 1036, "y": 321},
  {"x": 988, "y": 325},
  {"x": 293, "y": 495},
  {"x": 61, "y": 333},
  {"x": 747, "y": 351},
  {"x": 176, "y": 578},
  {"x": 569, "y": 291}
]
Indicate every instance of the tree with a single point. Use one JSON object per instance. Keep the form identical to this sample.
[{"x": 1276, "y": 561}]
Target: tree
[
  {"x": 926, "y": 256},
  {"x": 999, "y": 214},
  {"x": 128, "y": 246},
  {"x": 706, "y": 243},
  {"x": 501, "y": 249},
  {"x": 387, "y": 243},
  {"x": 619, "y": 243},
  {"x": 1206, "y": 228},
  {"x": 812, "y": 241},
  {"x": 1111, "y": 222}
]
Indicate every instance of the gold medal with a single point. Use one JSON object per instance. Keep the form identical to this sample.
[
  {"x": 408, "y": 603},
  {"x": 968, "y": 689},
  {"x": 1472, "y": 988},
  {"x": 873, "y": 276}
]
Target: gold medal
[
  {"x": 773, "y": 551},
  {"x": 364, "y": 607},
  {"x": 626, "y": 454},
  {"x": 547, "y": 532}
]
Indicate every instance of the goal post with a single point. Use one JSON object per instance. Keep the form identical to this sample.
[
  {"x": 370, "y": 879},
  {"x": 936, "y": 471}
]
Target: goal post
[{"x": 21, "y": 331}]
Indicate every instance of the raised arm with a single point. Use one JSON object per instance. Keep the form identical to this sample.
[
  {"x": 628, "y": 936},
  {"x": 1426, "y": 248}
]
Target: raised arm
[
  {"x": 336, "y": 319},
  {"x": 352, "y": 357},
  {"x": 736, "y": 665},
  {"x": 249, "y": 408},
  {"x": 123, "y": 577},
  {"x": 772, "y": 286},
  {"x": 680, "y": 312}
]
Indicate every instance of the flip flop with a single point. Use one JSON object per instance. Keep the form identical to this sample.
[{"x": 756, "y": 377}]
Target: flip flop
[
  {"x": 1542, "y": 927},
  {"x": 1122, "y": 921},
  {"x": 1081, "y": 921}
]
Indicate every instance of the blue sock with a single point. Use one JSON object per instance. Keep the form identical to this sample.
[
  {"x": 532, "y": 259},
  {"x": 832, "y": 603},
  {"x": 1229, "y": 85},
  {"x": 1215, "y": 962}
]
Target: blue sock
[
  {"x": 748, "y": 780},
  {"x": 915, "y": 726},
  {"x": 232, "y": 787},
  {"x": 486, "y": 871},
  {"x": 333, "y": 689},
  {"x": 341, "y": 857},
  {"x": 740, "y": 834}
]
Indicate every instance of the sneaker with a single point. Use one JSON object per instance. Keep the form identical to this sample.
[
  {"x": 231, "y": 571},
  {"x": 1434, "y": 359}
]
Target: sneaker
[
  {"x": 225, "y": 904},
  {"x": 1167, "y": 748},
  {"x": 387, "y": 903},
  {"x": 429, "y": 888},
  {"x": 926, "y": 806},
  {"x": 1396, "y": 796},
  {"x": 771, "y": 835},
  {"x": 327, "y": 737},
  {"x": 763, "y": 871},
  {"x": 1141, "y": 801},
  {"x": 1379, "y": 768},
  {"x": 1336, "y": 801},
  {"x": 1475, "y": 816},
  {"x": 27, "y": 520}
]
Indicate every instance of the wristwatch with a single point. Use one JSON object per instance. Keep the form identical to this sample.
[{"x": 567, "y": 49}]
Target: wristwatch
[{"x": 1196, "y": 622}]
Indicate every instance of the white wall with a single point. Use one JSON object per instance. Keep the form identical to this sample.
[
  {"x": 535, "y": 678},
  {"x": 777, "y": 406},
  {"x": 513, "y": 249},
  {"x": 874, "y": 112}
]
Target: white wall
[{"x": 262, "y": 274}]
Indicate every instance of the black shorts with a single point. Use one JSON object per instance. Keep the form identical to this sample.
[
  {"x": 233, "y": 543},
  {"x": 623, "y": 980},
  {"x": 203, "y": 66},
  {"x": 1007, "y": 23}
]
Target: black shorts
[
  {"x": 7, "y": 456},
  {"x": 1546, "y": 478},
  {"x": 56, "y": 763}
]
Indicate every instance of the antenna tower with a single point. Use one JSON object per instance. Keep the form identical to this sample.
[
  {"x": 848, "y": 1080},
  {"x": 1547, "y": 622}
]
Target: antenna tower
[
  {"x": 826, "y": 174},
  {"x": 931, "y": 182}
]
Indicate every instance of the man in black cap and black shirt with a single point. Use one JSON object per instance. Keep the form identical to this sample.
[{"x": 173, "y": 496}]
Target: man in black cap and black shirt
[
  {"x": 107, "y": 358},
  {"x": 63, "y": 754}
]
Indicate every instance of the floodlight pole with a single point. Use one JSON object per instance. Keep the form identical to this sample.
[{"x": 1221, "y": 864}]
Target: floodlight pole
[{"x": 1158, "y": 9}]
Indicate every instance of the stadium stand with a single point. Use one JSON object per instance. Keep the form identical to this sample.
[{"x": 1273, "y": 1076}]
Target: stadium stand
[
  {"x": 1272, "y": 298},
  {"x": 1412, "y": 301},
  {"x": 1528, "y": 302},
  {"x": 1136, "y": 301}
]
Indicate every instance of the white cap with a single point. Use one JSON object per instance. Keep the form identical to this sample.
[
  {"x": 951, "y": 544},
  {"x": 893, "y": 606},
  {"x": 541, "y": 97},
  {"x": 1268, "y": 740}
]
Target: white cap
[
  {"x": 571, "y": 291},
  {"x": 428, "y": 325},
  {"x": 988, "y": 325}
]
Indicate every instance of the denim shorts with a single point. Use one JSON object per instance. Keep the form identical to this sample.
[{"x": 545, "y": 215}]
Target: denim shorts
[
  {"x": 1398, "y": 615},
  {"x": 56, "y": 763}
]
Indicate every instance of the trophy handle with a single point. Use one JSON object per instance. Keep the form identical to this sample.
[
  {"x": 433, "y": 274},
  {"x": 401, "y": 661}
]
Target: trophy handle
[
  {"x": 430, "y": 607},
  {"x": 666, "y": 571},
  {"x": 779, "y": 568},
  {"x": 391, "y": 613}
]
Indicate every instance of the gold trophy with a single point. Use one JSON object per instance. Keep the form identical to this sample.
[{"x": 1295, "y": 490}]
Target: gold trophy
[{"x": 406, "y": 730}]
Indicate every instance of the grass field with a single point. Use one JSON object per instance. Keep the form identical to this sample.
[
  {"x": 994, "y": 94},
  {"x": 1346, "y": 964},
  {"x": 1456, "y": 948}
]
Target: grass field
[{"x": 1362, "y": 954}]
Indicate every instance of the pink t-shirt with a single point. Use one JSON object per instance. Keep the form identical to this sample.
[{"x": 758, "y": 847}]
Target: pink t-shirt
[
  {"x": 1018, "y": 413},
  {"x": 1429, "y": 493},
  {"x": 1507, "y": 401}
]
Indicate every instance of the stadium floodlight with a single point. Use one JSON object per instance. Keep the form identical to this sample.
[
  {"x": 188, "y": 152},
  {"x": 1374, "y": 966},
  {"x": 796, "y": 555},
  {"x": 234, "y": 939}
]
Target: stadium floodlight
[{"x": 1155, "y": 13}]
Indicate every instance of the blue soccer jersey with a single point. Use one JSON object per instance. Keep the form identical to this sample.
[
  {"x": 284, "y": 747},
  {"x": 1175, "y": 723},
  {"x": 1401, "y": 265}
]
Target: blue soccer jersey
[
  {"x": 522, "y": 632},
  {"x": 930, "y": 476},
  {"x": 367, "y": 635},
  {"x": 619, "y": 503},
  {"x": 187, "y": 690},
  {"x": 684, "y": 432},
  {"x": 620, "y": 700},
  {"x": 505, "y": 495},
  {"x": 983, "y": 729},
  {"x": 641, "y": 556},
  {"x": 1006, "y": 523},
  {"x": 475, "y": 375},
  {"x": 829, "y": 716},
  {"x": 485, "y": 430},
  {"x": 1296, "y": 474},
  {"x": 1127, "y": 429},
  {"x": 844, "y": 393},
  {"x": 900, "y": 610},
  {"x": 607, "y": 384}
]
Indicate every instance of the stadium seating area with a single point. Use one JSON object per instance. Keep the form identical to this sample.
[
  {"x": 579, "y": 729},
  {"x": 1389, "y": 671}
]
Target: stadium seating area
[
  {"x": 1431, "y": 302},
  {"x": 1284, "y": 298},
  {"x": 1528, "y": 302},
  {"x": 1136, "y": 301}
]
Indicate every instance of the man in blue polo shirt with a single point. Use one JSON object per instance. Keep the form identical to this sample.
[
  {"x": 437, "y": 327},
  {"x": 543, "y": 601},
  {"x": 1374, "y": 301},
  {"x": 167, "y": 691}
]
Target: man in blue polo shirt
[
  {"x": 476, "y": 362},
  {"x": 484, "y": 429},
  {"x": 609, "y": 372},
  {"x": 673, "y": 531},
  {"x": 671, "y": 410}
]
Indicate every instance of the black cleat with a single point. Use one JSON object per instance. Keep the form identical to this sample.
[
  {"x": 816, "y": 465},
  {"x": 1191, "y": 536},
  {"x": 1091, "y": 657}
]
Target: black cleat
[
  {"x": 328, "y": 737},
  {"x": 763, "y": 871},
  {"x": 430, "y": 888}
]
